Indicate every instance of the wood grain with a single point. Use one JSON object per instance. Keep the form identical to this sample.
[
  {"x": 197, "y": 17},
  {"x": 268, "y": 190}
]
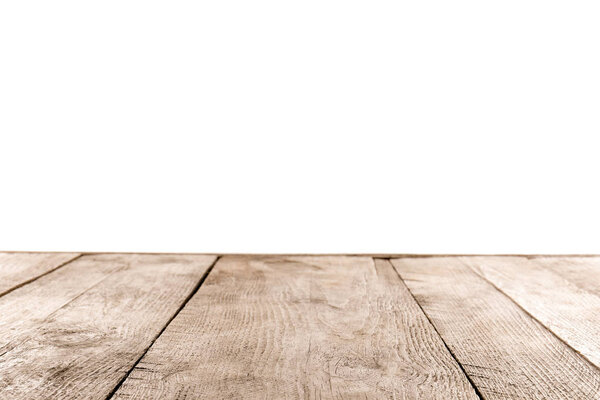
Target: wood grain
[
  {"x": 76, "y": 332},
  {"x": 17, "y": 269},
  {"x": 571, "y": 313},
  {"x": 506, "y": 353},
  {"x": 584, "y": 272},
  {"x": 299, "y": 328}
]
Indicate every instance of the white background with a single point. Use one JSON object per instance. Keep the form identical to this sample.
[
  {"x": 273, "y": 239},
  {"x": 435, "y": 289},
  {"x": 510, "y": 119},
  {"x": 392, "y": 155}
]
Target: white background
[{"x": 300, "y": 126}]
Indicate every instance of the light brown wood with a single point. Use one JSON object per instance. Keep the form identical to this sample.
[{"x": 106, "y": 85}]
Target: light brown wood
[
  {"x": 506, "y": 353},
  {"x": 17, "y": 269},
  {"x": 76, "y": 332},
  {"x": 584, "y": 272},
  {"x": 571, "y": 313},
  {"x": 299, "y": 328}
]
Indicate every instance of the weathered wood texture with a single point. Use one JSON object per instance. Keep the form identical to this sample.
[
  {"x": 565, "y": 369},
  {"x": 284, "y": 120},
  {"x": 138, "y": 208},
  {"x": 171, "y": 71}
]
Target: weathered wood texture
[
  {"x": 506, "y": 353},
  {"x": 17, "y": 269},
  {"x": 299, "y": 328},
  {"x": 76, "y": 332},
  {"x": 584, "y": 272},
  {"x": 571, "y": 313}
]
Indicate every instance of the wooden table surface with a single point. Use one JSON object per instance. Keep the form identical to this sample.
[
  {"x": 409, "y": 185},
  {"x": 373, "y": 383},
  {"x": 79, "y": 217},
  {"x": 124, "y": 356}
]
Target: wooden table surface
[{"x": 171, "y": 326}]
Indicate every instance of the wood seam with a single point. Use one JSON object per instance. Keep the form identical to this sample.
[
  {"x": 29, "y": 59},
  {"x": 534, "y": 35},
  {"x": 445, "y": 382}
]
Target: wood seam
[
  {"x": 533, "y": 317},
  {"x": 183, "y": 304},
  {"x": 475, "y": 388},
  {"x": 35, "y": 278}
]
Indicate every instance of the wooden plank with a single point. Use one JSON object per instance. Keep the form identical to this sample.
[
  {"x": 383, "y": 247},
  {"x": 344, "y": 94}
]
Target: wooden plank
[
  {"x": 17, "y": 269},
  {"x": 75, "y": 333},
  {"x": 584, "y": 272},
  {"x": 299, "y": 328},
  {"x": 571, "y": 313},
  {"x": 506, "y": 353}
]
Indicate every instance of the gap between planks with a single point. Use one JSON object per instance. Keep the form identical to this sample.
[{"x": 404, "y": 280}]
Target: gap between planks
[
  {"x": 387, "y": 258},
  {"x": 462, "y": 368},
  {"x": 183, "y": 304},
  {"x": 532, "y": 317},
  {"x": 35, "y": 278},
  {"x": 105, "y": 266},
  {"x": 504, "y": 294},
  {"x": 510, "y": 300},
  {"x": 315, "y": 294}
]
